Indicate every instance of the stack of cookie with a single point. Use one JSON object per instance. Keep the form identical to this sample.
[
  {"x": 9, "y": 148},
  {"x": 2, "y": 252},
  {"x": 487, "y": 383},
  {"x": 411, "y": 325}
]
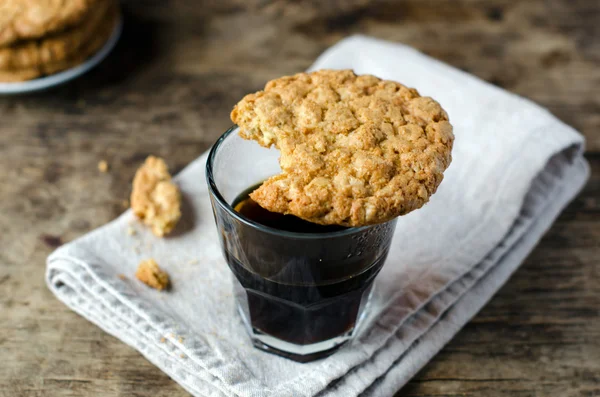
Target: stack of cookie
[{"x": 43, "y": 37}]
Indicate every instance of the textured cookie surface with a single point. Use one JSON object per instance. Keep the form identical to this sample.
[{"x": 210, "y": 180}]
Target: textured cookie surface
[
  {"x": 155, "y": 199},
  {"x": 355, "y": 150},
  {"x": 60, "y": 46},
  {"x": 86, "y": 50},
  {"x": 32, "y": 19}
]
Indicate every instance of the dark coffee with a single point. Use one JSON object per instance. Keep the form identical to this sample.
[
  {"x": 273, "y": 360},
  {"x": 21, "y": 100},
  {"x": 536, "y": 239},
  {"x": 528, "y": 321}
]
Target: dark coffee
[
  {"x": 303, "y": 301},
  {"x": 289, "y": 223}
]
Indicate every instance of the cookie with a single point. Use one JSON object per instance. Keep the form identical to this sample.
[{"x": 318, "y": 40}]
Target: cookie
[
  {"x": 88, "y": 49},
  {"x": 149, "y": 273},
  {"x": 155, "y": 199},
  {"x": 32, "y": 19},
  {"x": 57, "y": 47},
  {"x": 355, "y": 150},
  {"x": 14, "y": 76}
]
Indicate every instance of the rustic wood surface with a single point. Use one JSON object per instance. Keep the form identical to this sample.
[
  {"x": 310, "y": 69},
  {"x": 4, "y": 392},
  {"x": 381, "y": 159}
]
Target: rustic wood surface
[{"x": 168, "y": 89}]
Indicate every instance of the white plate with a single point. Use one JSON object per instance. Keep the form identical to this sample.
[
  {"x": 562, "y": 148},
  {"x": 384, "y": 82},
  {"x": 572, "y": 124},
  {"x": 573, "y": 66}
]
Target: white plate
[{"x": 59, "y": 78}]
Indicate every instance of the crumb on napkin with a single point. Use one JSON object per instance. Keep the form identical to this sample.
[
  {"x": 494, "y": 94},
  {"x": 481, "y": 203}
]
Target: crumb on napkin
[
  {"x": 153, "y": 276},
  {"x": 155, "y": 199}
]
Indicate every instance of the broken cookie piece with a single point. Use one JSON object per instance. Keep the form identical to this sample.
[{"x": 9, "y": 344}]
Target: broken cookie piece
[
  {"x": 355, "y": 150},
  {"x": 155, "y": 199},
  {"x": 153, "y": 276}
]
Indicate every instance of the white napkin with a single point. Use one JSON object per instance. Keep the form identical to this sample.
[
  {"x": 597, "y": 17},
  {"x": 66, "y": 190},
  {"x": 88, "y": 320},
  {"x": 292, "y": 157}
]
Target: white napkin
[{"x": 515, "y": 168}]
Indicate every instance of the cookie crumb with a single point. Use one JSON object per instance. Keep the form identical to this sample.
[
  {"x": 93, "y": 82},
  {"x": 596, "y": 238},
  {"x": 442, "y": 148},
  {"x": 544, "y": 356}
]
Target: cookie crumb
[
  {"x": 153, "y": 276},
  {"x": 103, "y": 166},
  {"x": 122, "y": 276},
  {"x": 155, "y": 199},
  {"x": 182, "y": 355},
  {"x": 193, "y": 262},
  {"x": 131, "y": 231},
  {"x": 163, "y": 340},
  {"x": 180, "y": 339}
]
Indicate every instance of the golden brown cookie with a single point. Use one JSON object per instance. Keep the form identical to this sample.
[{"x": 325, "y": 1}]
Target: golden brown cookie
[
  {"x": 57, "y": 47},
  {"x": 152, "y": 275},
  {"x": 32, "y": 19},
  {"x": 13, "y": 76},
  {"x": 355, "y": 150},
  {"x": 155, "y": 199},
  {"x": 86, "y": 50}
]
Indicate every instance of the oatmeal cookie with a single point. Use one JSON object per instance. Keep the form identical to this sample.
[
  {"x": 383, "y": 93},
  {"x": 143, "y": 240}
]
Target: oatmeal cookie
[
  {"x": 32, "y": 19},
  {"x": 155, "y": 199},
  {"x": 153, "y": 276},
  {"x": 63, "y": 45},
  {"x": 355, "y": 150},
  {"x": 86, "y": 50}
]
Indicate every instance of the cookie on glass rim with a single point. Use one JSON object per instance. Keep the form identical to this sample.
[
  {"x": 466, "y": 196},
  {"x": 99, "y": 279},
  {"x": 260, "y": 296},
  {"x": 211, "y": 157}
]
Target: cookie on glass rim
[{"x": 355, "y": 150}]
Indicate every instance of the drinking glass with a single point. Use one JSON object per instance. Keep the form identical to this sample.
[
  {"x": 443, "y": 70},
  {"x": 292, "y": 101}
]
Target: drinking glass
[{"x": 300, "y": 295}]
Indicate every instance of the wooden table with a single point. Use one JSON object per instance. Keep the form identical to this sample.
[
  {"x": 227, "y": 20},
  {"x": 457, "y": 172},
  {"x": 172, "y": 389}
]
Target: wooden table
[{"x": 168, "y": 89}]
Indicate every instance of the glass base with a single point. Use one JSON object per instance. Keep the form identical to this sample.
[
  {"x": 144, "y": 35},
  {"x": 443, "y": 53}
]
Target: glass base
[
  {"x": 308, "y": 352},
  {"x": 291, "y": 351}
]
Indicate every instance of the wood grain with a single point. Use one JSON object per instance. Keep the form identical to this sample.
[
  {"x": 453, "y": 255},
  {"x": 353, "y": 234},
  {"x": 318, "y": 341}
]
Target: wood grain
[{"x": 168, "y": 89}]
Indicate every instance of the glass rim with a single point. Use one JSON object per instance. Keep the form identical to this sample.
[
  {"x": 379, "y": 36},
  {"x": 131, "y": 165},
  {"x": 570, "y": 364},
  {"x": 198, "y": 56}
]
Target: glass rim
[{"x": 214, "y": 191}]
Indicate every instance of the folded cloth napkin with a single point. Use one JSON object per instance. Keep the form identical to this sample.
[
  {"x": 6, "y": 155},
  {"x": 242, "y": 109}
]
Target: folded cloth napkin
[{"x": 515, "y": 168}]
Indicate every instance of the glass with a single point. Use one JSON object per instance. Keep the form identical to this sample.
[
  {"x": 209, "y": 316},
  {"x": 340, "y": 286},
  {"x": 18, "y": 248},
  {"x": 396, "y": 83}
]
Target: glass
[{"x": 300, "y": 295}]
